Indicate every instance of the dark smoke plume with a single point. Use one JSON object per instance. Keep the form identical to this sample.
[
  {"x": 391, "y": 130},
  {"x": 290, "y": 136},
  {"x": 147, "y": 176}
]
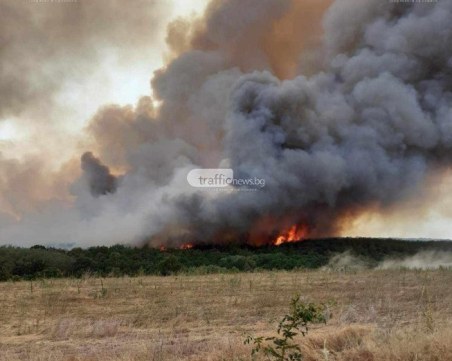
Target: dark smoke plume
[{"x": 98, "y": 176}]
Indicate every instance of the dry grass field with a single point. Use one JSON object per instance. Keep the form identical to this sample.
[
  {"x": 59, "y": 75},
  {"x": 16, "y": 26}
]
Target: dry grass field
[{"x": 376, "y": 315}]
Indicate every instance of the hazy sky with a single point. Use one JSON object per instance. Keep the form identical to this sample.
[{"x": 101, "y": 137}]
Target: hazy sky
[{"x": 62, "y": 61}]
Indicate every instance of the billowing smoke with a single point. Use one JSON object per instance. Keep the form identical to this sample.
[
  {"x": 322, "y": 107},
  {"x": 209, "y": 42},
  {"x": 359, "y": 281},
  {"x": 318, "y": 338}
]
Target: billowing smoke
[{"x": 338, "y": 120}]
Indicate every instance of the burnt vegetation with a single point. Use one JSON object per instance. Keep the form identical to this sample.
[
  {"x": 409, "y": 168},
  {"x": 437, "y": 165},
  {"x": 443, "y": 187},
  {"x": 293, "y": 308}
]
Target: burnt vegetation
[{"x": 44, "y": 262}]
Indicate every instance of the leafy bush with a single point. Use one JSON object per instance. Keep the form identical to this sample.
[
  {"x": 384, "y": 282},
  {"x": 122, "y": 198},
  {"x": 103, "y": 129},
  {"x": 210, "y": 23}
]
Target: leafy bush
[
  {"x": 283, "y": 346},
  {"x": 169, "y": 265}
]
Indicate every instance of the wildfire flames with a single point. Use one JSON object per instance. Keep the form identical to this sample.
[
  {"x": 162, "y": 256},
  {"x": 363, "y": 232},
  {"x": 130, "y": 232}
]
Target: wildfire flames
[
  {"x": 289, "y": 234},
  {"x": 162, "y": 248},
  {"x": 186, "y": 246},
  {"x": 293, "y": 234}
]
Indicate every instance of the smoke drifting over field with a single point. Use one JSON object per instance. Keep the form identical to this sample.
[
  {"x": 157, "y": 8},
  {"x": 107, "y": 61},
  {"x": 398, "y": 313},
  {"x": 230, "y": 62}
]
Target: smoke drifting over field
[
  {"x": 422, "y": 260},
  {"x": 339, "y": 106}
]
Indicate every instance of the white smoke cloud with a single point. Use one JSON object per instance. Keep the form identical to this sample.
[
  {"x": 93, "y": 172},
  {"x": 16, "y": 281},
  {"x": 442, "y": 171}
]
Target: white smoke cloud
[{"x": 424, "y": 260}]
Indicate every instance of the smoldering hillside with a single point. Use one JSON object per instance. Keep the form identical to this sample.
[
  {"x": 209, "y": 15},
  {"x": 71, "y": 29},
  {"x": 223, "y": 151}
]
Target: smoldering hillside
[{"x": 338, "y": 106}]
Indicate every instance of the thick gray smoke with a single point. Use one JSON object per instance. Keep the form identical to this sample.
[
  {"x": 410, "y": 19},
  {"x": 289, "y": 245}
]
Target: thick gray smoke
[{"x": 365, "y": 129}]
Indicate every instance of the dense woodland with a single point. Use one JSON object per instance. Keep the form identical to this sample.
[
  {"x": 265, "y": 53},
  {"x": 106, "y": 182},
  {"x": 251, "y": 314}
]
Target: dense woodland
[{"x": 42, "y": 262}]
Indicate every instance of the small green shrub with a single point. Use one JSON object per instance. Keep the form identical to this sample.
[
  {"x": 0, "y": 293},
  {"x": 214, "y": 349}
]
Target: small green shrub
[{"x": 283, "y": 347}]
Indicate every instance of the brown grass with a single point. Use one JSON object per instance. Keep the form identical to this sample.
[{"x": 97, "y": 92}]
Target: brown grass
[{"x": 376, "y": 315}]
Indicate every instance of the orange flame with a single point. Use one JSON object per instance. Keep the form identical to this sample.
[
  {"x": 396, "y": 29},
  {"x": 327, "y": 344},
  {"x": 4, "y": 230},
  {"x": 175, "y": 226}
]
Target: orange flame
[
  {"x": 186, "y": 246},
  {"x": 163, "y": 248},
  {"x": 294, "y": 234}
]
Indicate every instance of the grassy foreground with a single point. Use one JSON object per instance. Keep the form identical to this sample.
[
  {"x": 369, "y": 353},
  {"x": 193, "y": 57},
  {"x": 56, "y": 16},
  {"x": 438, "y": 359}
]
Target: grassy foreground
[{"x": 376, "y": 315}]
